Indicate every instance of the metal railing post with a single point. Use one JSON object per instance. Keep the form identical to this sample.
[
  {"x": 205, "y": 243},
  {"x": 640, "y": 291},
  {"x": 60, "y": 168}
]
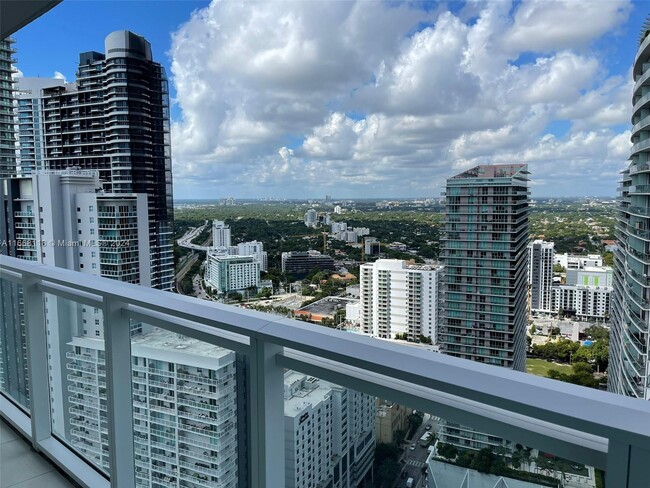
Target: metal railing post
[
  {"x": 37, "y": 354},
  {"x": 627, "y": 465},
  {"x": 266, "y": 393},
  {"x": 117, "y": 340}
]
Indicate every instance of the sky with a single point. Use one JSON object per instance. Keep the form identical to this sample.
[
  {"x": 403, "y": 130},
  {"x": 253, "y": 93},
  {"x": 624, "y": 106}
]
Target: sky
[{"x": 299, "y": 99}]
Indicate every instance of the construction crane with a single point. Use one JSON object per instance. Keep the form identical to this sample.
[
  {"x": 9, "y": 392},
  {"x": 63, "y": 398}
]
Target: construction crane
[{"x": 325, "y": 234}]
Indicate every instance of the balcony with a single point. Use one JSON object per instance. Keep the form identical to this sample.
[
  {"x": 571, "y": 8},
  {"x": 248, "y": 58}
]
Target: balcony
[
  {"x": 610, "y": 432},
  {"x": 28, "y": 467}
]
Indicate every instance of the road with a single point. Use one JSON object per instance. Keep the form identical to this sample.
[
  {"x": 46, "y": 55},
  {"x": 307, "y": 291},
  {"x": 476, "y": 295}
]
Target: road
[
  {"x": 416, "y": 459},
  {"x": 186, "y": 267},
  {"x": 186, "y": 240}
]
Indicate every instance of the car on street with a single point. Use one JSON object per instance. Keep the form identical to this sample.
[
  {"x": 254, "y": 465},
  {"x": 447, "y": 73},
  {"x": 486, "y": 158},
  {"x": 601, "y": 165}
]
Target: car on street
[
  {"x": 412, "y": 448},
  {"x": 428, "y": 427}
]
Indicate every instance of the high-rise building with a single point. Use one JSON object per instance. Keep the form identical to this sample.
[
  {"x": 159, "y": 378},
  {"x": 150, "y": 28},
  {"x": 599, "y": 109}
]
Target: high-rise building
[
  {"x": 540, "y": 275},
  {"x": 226, "y": 273},
  {"x": 7, "y": 105},
  {"x": 329, "y": 433},
  {"x": 221, "y": 236},
  {"x": 628, "y": 370},
  {"x": 62, "y": 218},
  {"x": 486, "y": 263},
  {"x": 31, "y": 123},
  {"x": 311, "y": 218},
  {"x": 399, "y": 298},
  {"x": 114, "y": 119}
]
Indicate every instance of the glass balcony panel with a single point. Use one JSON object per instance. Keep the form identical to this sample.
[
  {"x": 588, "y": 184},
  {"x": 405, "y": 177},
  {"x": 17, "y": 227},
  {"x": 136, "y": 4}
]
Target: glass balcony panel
[
  {"x": 77, "y": 366},
  {"x": 186, "y": 420},
  {"x": 329, "y": 433},
  {"x": 450, "y": 451},
  {"x": 14, "y": 376}
]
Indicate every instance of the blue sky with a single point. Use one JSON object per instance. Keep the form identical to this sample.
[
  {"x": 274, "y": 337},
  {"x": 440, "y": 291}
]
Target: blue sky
[{"x": 300, "y": 99}]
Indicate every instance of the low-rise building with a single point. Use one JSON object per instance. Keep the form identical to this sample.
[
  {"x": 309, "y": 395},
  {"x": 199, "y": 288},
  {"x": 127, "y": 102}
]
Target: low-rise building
[
  {"x": 301, "y": 263},
  {"x": 372, "y": 246},
  {"x": 447, "y": 475},
  {"x": 586, "y": 294},
  {"x": 391, "y": 418},
  {"x": 325, "y": 308},
  {"x": 578, "y": 261}
]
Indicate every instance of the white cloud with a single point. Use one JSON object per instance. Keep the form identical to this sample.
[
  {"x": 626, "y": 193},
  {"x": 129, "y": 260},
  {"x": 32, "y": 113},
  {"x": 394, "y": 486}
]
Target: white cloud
[
  {"x": 549, "y": 25},
  {"x": 288, "y": 98},
  {"x": 59, "y": 75}
]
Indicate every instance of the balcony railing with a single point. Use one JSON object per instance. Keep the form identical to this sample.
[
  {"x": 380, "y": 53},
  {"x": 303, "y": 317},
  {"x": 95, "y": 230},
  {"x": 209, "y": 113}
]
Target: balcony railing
[{"x": 607, "y": 431}]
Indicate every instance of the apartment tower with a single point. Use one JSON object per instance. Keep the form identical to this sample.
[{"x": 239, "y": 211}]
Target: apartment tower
[
  {"x": 399, "y": 298},
  {"x": 31, "y": 124},
  {"x": 115, "y": 119},
  {"x": 7, "y": 115},
  {"x": 629, "y": 343},
  {"x": 486, "y": 264},
  {"x": 541, "y": 255},
  {"x": 221, "y": 236}
]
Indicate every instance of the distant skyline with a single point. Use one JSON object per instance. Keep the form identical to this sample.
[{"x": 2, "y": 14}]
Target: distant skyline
[{"x": 373, "y": 100}]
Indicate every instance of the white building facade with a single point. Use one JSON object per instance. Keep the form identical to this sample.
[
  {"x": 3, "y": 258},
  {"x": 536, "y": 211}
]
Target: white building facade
[
  {"x": 185, "y": 409},
  {"x": 255, "y": 249},
  {"x": 576, "y": 261},
  {"x": 221, "y": 234},
  {"x": 227, "y": 273},
  {"x": 184, "y": 390},
  {"x": 399, "y": 298},
  {"x": 329, "y": 433},
  {"x": 586, "y": 294}
]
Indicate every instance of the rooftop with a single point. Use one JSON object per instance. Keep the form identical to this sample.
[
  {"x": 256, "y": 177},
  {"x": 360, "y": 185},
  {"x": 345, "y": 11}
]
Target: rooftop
[
  {"x": 494, "y": 171},
  {"x": 328, "y": 305}
]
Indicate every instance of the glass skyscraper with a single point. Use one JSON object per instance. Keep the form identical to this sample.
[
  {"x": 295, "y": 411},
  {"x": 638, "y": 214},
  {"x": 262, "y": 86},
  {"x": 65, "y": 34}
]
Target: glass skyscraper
[
  {"x": 485, "y": 257},
  {"x": 629, "y": 341},
  {"x": 485, "y": 254}
]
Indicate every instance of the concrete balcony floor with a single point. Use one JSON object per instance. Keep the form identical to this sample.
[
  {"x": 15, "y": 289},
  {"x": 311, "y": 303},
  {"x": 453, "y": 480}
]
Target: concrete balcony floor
[{"x": 22, "y": 467}]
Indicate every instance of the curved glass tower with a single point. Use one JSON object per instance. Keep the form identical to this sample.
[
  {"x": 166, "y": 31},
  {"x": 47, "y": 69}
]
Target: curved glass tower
[{"x": 628, "y": 369}]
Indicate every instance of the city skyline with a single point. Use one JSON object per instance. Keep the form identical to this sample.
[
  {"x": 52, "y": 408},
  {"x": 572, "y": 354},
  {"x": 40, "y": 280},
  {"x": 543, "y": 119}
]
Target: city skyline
[{"x": 554, "y": 98}]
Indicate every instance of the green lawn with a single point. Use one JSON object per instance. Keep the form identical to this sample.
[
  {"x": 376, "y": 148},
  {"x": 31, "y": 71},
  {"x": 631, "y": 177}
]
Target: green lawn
[{"x": 540, "y": 367}]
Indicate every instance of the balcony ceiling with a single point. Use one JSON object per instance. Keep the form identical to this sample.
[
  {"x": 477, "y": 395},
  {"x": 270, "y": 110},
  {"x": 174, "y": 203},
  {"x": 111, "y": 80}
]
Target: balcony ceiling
[{"x": 15, "y": 14}]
